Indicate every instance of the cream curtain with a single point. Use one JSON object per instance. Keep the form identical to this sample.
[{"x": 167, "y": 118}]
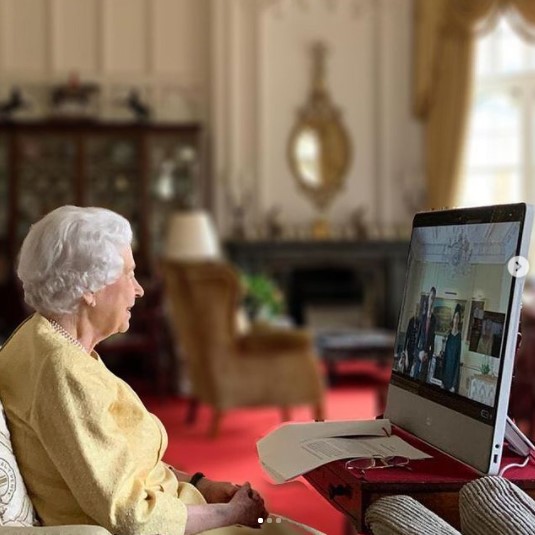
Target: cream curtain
[{"x": 445, "y": 33}]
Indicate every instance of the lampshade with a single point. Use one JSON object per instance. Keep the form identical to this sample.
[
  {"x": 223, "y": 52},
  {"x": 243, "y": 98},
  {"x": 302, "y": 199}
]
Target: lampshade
[{"x": 191, "y": 236}]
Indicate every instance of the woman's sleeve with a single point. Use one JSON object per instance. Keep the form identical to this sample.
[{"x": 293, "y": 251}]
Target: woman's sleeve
[{"x": 77, "y": 418}]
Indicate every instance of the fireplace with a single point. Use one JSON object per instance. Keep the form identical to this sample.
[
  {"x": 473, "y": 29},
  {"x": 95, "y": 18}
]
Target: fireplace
[
  {"x": 330, "y": 296},
  {"x": 351, "y": 279}
]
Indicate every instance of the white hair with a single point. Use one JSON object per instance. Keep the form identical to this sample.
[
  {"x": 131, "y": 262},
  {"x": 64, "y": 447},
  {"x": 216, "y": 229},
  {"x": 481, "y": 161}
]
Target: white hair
[{"x": 70, "y": 251}]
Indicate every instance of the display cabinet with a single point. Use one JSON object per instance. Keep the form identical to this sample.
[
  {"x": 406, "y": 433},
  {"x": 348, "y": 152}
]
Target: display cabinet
[{"x": 142, "y": 171}]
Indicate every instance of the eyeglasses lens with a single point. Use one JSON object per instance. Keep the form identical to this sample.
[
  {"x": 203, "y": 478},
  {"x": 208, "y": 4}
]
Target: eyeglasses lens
[
  {"x": 360, "y": 463},
  {"x": 392, "y": 461},
  {"x": 395, "y": 460}
]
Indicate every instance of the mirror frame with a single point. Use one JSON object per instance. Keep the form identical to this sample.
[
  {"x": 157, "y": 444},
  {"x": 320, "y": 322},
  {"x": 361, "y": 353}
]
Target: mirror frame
[
  {"x": 335, "y": 154},
  {"x": 320, "y": 115}
]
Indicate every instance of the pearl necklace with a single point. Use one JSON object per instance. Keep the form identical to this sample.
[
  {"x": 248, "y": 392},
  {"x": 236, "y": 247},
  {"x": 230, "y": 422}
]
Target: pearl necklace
[{"x": 66, "y": 334}]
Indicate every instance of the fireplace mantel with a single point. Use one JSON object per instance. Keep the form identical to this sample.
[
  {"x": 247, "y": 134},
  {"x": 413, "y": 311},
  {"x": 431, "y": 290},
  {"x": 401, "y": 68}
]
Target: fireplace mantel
[{"x": 381, "y": 263}]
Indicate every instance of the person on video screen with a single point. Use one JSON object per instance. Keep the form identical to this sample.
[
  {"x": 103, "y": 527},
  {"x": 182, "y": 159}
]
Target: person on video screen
[
  {"x": 426, "y": 337},
  {"x": 452, "y": 353},
  {"x": 484, "y": 344},
  {"x": 411, "y": 338}
]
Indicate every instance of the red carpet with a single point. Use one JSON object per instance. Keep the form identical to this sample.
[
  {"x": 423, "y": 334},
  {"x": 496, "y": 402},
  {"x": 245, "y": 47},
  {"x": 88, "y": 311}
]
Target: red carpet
[{"x": 232, "y": 456}]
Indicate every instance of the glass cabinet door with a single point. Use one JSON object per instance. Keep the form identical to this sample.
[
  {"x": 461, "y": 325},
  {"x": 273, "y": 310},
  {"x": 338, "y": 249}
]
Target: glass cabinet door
[
  {"x": 174, "y": 179},
  {"x": 143, "y": 172},
  {"x": 113, "y": 177},
  {"x": 46, "y": 176}
]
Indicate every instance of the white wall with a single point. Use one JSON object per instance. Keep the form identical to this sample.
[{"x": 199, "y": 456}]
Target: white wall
[
  {"x": 242, "y": 67},
  {"x": 261, "y": 73},
  {"x": 158, "y": 46}
]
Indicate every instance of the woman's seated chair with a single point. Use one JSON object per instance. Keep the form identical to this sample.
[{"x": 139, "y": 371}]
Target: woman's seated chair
[{"x": 266, "y": 366}]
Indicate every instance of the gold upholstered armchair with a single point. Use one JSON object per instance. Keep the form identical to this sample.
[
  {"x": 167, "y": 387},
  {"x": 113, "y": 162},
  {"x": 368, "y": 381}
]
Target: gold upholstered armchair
[{"x": 266, "y": 366}]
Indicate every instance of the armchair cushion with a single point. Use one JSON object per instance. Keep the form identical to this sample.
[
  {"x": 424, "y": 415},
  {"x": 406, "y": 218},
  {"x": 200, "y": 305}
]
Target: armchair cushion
[
  {"x": 16, "y": 509},
  {"x": 263, "y": 339}
]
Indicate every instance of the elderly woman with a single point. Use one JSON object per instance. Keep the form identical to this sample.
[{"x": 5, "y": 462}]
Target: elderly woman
[{"x": 89, "y": 451}]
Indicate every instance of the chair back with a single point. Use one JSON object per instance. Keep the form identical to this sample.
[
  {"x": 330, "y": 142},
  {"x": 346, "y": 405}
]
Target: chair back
[{"x": 203, "y": 298}]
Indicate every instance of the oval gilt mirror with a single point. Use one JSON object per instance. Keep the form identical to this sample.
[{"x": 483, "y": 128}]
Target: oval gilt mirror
[{"x": 319, "y": 148}]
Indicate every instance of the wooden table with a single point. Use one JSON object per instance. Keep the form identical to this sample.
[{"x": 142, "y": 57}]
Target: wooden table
[
  {"x": 435, "y": 483},
  {"x": 335, "y": 346}
]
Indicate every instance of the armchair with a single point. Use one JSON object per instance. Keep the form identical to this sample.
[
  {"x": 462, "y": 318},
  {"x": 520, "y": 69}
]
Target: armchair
[{"x": 266, "y": 366}]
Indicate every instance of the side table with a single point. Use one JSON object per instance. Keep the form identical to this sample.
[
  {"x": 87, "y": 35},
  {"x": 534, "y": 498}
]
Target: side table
[
  {"x": 434, "y": 482},
  {"x": 354, "y": 344}
]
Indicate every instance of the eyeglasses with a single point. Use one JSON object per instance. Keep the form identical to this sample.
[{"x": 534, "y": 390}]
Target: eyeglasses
[{"x": 372, "y": 463}]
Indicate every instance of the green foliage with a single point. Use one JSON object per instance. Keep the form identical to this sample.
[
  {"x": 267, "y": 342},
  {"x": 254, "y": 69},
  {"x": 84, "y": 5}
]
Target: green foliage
[
  {"x": 485, "y": 366},
  {"x": 262, "y": 297}
]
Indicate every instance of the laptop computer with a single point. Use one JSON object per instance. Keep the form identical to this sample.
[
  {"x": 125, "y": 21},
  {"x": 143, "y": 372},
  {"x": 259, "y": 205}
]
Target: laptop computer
[{"x": 457, "y": 332}]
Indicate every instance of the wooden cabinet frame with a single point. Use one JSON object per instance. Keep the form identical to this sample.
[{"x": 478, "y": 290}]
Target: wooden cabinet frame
[{"x": 79, "y": 135}]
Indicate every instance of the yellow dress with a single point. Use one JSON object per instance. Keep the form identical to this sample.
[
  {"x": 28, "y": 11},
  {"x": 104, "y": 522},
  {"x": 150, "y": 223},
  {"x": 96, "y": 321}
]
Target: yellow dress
[{"x": 87, "y": 448}]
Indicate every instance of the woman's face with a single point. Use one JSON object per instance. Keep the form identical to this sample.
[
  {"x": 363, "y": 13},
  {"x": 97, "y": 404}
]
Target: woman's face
[
  {"x": 111, "y": 313},
  {"x": 456, "y": 320}
]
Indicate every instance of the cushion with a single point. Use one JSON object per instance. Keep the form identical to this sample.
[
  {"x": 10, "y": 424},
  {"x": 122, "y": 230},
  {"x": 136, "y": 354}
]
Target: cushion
[
  {"x": 270, "y": 340},
  {"x": 492, "y": 505},
  {"x": 16, "y": 509},
  {"x": 403, "y": 515}
]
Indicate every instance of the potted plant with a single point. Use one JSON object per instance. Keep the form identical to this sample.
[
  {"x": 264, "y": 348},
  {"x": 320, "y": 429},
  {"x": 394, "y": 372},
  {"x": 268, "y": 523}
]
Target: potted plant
[{"x": 263, "y": 299}]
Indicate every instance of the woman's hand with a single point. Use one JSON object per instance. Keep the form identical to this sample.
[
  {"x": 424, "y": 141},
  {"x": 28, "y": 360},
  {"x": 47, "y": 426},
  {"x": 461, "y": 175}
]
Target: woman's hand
[
  {"x": 244, "y": 509},
  {"x": 247, "y": 506},
  {"x": 217, "y": 491}
]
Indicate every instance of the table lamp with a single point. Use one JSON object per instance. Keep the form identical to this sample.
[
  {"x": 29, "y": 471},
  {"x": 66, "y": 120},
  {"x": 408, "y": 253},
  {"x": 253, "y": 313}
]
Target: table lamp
[{"x": 191, "y": 235}]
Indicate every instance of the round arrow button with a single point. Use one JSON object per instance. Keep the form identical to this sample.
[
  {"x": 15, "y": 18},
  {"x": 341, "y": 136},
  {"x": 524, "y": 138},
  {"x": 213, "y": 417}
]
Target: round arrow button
[{"x": 518, "y": 266}]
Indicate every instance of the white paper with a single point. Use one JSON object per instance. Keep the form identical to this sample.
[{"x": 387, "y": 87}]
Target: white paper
[{"x": 294, "y": 449}]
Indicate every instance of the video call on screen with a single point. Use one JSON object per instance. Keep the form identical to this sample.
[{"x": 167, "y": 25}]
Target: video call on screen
[{"x": 452, "y": 324}]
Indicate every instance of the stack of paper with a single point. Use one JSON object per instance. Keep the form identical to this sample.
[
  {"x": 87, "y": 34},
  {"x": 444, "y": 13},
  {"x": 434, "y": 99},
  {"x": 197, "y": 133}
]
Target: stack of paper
[{"x": 296, "y": 448}]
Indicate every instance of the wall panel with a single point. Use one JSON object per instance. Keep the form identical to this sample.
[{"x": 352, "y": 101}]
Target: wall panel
[
  {"x": 288, "y": 31},
  {"x": 261, "y": 77},
  {"x": 26, "y": 36},
  {"x": 75, "y": 45},
  {"x": 180, "y": 37},
  {"x": 127, "y": 28}
]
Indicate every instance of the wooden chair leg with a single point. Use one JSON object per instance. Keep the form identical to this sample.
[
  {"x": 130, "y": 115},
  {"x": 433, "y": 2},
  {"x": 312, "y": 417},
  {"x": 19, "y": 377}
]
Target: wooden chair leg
[
  {"x": 319, "y": 412},
  {"x": 215, "y": 424},
  {"x": 286, "y": 415},
  {"x": 192, "y": 410}
]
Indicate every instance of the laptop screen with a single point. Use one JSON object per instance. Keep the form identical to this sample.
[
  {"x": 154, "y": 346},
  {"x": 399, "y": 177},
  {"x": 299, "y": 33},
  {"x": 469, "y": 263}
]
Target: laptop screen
[{"x": 460, "y": 308}]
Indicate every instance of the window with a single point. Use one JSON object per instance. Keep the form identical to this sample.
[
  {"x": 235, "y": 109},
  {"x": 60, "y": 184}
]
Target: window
[{"x": 499, "y": 163}]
